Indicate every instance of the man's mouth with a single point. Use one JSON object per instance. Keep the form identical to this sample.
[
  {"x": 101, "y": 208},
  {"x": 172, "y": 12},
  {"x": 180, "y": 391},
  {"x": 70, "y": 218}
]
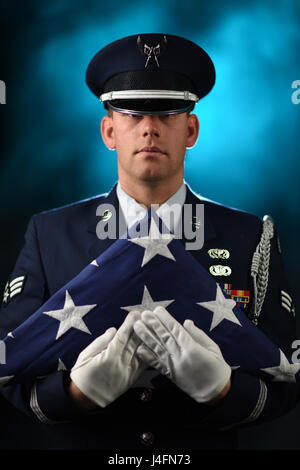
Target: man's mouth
[{"x": 150, "y": 149}]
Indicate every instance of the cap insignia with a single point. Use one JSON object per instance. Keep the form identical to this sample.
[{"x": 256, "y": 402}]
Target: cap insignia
[{"x": 151, "y": 52}]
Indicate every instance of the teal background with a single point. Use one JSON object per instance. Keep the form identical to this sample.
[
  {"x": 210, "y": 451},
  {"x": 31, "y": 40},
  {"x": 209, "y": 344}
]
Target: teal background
[{"x": 247, "y": 155}]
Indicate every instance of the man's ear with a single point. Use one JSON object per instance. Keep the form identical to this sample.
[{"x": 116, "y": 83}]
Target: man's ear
[
  {"x": 193, "y": 130},
  {"x": 107, "y": 132}
]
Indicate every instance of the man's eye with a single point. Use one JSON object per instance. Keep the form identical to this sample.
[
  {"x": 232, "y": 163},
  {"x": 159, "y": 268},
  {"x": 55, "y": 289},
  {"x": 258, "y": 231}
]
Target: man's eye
[{"x": 165, "y": 117}]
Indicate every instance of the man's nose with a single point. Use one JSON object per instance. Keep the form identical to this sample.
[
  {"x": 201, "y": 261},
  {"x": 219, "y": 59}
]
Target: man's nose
[{"x": 150, "y": 126}]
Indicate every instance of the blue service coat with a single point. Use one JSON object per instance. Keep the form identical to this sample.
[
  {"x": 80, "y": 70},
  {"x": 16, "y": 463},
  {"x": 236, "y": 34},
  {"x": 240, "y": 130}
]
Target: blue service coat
[{"x": 58, "y": 245}]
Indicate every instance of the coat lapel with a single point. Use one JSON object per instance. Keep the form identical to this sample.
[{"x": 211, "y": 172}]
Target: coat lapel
[
  {"x": 97, "y": 219},
  {"x": 191, "y": 202}
]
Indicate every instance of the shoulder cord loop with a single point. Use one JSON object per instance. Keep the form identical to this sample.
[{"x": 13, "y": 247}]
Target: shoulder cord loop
[{"x": 260, "y": 268}]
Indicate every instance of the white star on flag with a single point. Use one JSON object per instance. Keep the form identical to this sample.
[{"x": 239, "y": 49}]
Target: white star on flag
[
  {"x": 155, "y": 243},
  {"x": 148, "y": 303},
  {"x": 221, "y": 308},
  {"x": 70, "y": 316},
  {"x": 284, "y": 372}
]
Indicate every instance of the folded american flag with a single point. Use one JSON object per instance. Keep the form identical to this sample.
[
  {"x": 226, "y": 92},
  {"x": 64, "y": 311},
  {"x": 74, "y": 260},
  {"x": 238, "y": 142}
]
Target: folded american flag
[{"x": 138, "y": 273}]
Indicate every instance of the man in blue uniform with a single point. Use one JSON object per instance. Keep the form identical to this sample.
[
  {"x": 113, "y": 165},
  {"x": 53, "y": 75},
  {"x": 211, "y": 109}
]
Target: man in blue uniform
[{"x": 149, "y": 84}]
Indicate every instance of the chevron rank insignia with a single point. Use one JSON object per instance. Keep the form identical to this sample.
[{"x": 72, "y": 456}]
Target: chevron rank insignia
[
  {"x": 13, "y": 288},
  {"x": 241, "y": 297},
  {"x": 287, "y": 302}
]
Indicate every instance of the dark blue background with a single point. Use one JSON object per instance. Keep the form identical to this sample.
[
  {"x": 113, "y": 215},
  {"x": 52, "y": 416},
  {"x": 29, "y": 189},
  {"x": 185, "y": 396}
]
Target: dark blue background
[{"x": 247, "y": 155}]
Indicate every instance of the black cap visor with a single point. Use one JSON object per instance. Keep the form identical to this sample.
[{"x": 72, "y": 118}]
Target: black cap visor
[{"x": 141, "y": 107}]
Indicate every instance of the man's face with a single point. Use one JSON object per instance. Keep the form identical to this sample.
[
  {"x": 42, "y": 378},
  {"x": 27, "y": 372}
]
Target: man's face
[{"x": 149, "y": 148}]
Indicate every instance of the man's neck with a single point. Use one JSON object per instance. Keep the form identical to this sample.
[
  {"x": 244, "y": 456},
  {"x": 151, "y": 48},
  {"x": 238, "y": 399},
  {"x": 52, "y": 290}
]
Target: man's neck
[{"x": 153, "y": 193}]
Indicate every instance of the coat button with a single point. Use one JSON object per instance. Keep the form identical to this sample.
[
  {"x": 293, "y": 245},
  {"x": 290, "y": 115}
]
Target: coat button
[
  {"x": 146, "y": 395},
  {"x": 147, "y": 438}
]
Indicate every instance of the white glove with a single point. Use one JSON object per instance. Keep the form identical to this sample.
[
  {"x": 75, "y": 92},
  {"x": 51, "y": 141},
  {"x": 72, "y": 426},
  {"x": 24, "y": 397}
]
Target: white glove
[
  {"x": 109, "y": 366},
  {"x": 186, "y": 355}
]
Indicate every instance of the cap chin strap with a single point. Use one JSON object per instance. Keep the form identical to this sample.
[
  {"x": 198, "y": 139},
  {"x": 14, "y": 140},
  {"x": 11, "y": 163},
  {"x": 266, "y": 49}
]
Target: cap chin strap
[
  {"x": 149, "y": 94},
  {"x": 134, "y": 112}
]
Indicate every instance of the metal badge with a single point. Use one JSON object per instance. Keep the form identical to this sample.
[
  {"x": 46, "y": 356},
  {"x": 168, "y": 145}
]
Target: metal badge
[
  {"x": 106, "y": 216},
  {"x": 220, "y": 253},
  {"x": 151, "y": 52},
  {"x": 220, "y": 270},
  {"x": 196, "y": 223}
]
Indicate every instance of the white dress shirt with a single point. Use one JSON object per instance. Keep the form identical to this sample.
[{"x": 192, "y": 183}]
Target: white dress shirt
[{"x": 169, "y": 211}]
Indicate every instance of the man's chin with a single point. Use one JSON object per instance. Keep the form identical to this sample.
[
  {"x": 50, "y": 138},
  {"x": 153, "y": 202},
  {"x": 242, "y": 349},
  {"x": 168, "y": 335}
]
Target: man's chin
[{"x": 152, "y": 177}]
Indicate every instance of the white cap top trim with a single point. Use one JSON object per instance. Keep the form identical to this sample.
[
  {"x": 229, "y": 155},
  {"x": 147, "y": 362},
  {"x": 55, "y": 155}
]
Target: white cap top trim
[{"x": 149, "y": 94}]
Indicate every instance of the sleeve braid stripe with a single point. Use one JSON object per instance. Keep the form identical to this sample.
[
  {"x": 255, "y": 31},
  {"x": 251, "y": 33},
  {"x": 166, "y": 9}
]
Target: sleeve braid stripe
[{"x": 36, "y": 408}]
